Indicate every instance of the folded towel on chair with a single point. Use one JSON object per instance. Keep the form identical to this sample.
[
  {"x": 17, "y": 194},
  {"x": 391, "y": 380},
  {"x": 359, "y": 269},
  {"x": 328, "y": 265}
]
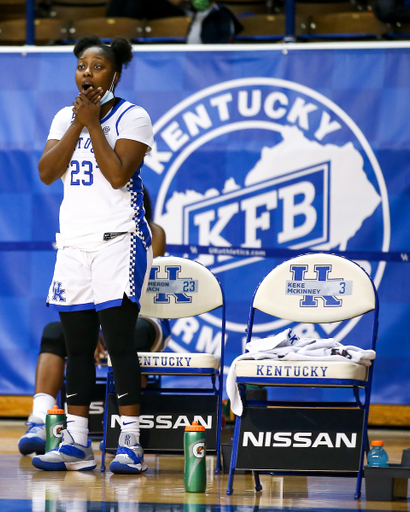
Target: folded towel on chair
[{"x": 286, "y": 346}]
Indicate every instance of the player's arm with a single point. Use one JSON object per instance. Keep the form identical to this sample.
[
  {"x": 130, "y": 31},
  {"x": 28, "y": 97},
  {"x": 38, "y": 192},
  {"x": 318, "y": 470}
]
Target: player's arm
[
  {"x": 57, "y": 153},
  {"x": 120, "y": 164},
  {"x": 158, "y": 239}
]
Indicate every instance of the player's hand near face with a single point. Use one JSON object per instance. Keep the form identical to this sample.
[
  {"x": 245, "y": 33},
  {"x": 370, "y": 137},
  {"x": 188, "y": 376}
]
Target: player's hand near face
[{"x": 86, "y": 106}]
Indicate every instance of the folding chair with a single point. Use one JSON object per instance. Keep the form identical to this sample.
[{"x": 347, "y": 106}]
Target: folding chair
[
  {"x": 268, "y": 27},
  {"x": 180, "y": 288},
  {"x": 107, "y": 28},
  {"x": 326, "y": 437},
  {"x": 75, "y": 10},
  {"x": 167, "y": 30},
  {"x": 346, "y": 26}
]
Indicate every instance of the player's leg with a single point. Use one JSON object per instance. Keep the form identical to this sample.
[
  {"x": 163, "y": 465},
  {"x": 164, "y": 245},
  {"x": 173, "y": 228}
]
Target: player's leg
[
  {"x": 118, "y": 325},
  {"x": 81, "y": 330},
  {"x": 145, "y": 335},
  {"x": 120, "y": 274}
]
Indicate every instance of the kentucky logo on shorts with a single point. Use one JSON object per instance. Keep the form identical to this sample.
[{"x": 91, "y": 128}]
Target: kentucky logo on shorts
[{"x": 58, "y": 292}]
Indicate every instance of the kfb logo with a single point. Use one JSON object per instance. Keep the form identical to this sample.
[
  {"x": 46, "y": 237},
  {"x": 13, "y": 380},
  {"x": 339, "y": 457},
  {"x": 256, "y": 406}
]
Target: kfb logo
[
  {"x": 258, "y": 163},
  {"x": 172, "y": 285}
]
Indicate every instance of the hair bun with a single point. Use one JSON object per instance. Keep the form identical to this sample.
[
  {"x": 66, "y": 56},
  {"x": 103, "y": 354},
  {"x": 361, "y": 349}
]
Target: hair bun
[{"x": 122, "y": 49}]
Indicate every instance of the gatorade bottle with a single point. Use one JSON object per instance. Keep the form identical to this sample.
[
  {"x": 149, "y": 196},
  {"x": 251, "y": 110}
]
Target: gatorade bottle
[
  {"x": 55, "y": 423},
  {"x": 377, "y": 456},
  {"x": 195, "y": 458}
]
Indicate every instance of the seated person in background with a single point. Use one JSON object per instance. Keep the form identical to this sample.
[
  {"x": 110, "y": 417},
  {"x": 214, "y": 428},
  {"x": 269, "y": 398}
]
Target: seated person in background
[
  {"x": 212, "y": 23},
  {"x": 392, "y": 11},
  {"x": 145, "y": 9},
  {"x": 151, "y": 335}
]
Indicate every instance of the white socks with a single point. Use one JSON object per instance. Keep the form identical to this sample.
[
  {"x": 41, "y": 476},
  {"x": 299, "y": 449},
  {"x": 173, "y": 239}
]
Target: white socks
[
  {"x": 41, "y": 404},
  {"x": 78, "y": 428},
  {"x": 131, "y": 424}
]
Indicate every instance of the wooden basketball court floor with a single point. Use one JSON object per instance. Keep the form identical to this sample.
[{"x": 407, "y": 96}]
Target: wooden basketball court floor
[{"x": 23, "y": 488}]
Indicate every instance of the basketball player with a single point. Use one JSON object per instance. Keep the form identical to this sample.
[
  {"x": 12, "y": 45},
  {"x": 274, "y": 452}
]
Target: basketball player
[
  {"x": 104, "y": 252},
  {"x": 151, "y": 335}
]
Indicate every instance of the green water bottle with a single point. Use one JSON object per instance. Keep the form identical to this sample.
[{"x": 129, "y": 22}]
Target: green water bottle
[
  {"x": 55, "y": 423},
  {"x": 195, "y": 458}
]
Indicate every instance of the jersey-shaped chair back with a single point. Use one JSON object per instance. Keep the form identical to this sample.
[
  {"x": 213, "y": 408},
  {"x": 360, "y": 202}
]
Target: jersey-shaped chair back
[
  {"x": 182, "y": 288},
  {"x": 316, "y": 288},
  {"x": 179, "y": 288}
]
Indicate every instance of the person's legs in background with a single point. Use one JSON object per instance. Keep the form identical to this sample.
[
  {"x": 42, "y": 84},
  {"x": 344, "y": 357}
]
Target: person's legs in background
[
  {"x": 144, "y": 338},
  {"x": 49, "y": 379}
]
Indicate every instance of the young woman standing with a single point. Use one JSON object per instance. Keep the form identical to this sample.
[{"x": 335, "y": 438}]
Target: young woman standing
[{"x": 104, "y": 253}]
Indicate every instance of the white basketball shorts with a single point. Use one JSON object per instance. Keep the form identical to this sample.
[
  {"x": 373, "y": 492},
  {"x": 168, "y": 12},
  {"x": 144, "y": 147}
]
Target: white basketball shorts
[{"x": 99, "y": 279}]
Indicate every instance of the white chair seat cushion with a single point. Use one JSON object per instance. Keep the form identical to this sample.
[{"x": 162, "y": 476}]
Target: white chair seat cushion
[
  {"x": 163, "y": 361},
  {"x": 273, "y": 369}
]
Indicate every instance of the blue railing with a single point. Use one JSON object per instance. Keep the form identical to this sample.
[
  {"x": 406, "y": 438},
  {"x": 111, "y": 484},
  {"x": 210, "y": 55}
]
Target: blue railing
[
  {"x": 30, "y": 22},
  {"x": 290, "y": 21}
]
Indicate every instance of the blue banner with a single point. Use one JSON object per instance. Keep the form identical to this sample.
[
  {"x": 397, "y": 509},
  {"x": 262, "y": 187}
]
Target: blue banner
[{"x": 260, "y": 152}]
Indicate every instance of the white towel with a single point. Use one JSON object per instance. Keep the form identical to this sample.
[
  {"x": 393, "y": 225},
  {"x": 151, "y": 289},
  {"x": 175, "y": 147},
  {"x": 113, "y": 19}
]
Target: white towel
[{"x": 286, "y": 346}]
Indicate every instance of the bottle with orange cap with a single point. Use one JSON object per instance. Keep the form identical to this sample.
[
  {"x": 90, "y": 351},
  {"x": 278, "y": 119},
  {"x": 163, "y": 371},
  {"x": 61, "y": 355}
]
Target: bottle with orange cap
[
  {"x": 55, "y": 423},
  {"x": 195, "y": 458},
  {"x": 377, "y": 456}
]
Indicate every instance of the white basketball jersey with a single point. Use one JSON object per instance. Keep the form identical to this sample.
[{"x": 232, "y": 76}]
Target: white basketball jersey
[{"x": 92, "y": 209}]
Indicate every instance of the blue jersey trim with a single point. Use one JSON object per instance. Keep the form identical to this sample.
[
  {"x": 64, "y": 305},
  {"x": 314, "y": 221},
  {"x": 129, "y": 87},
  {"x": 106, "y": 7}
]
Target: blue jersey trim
[
  {"x": 119, "y": 119},
  {"x": 108, "y": 304},
  {"x": 73, "y": 307},
  {"x": 135, "y": 187},
  {"x": 112, "y": 111},
  {"x": 135, "y": 301},
  {"x": 115, "y": 303}
]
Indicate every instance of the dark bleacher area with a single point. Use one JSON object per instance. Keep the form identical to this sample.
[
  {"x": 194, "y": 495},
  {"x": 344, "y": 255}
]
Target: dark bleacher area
[{"x": 264, "y": 21}]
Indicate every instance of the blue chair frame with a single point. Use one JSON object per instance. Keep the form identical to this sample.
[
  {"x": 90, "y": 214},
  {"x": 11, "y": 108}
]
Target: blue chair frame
[{"x": 270, "y": 298}]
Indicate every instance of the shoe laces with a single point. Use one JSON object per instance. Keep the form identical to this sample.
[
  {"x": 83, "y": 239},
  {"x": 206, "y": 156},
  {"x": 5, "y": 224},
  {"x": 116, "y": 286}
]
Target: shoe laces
[
  {"x": 131, "y": 452},
  {"x": 34, "y": 427}
]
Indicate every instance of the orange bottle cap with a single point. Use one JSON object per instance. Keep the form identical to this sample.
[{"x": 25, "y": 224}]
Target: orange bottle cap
[
  {"x": 55, "y": 410},
  {"x": 377, "y": 443},
  {"x": 195, "y": 427}
]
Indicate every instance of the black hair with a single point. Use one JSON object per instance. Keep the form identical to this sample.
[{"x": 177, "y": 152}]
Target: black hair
[
  {"x": 119, "y": 51},
  {"x": 147, "y": 205}
]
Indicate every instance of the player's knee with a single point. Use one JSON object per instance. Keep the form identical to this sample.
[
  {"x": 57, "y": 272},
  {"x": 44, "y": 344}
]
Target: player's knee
[{"x": 52, "y": 341}]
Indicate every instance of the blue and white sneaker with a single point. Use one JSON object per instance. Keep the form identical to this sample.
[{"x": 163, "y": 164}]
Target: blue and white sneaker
[
  {"x": 34, "y": 440},
  {"x": 69, "y": 456},
  {"x": 129, "y": 457}
]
